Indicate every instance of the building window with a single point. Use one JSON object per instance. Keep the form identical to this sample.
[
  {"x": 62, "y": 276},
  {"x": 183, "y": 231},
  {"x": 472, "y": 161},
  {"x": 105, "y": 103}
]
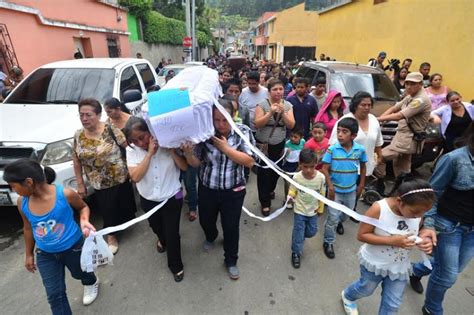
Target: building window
[{"x": 113, "y": 46}]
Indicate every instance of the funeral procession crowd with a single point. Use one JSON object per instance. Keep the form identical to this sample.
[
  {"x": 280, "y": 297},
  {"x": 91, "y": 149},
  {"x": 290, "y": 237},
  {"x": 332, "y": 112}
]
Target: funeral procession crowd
[{"x": 329, "y": 144}]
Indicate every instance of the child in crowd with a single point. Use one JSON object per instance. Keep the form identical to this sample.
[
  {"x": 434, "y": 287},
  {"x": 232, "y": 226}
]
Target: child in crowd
[
  {"x": 318, "y": 143},
  {"x": 318, "y": 91},
  {"x": 294, "y": 145},
  {"x": 307, "y": 208},
  {"x": 343, "y": 163},
  {"x": 384, "y": 258},
  {"x": 48, "y": 223}
]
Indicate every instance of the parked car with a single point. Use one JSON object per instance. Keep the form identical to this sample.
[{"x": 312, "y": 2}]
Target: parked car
[
  {"x": 39, "y": 117},
  {"x": 176, "y": 68},
  {"x": 349, "y": 78}
]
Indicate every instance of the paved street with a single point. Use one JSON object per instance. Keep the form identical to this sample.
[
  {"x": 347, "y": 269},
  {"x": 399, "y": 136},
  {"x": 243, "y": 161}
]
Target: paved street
[{"x": 140, "y": 282}]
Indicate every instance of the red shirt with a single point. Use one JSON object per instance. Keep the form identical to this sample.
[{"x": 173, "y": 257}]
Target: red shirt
[{"x": 318, "y": 147}]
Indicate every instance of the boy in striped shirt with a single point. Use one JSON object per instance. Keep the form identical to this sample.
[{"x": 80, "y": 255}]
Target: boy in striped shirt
[{"x": 343, "y": 163}]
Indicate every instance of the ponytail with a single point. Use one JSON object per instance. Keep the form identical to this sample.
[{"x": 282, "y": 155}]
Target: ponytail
[{"x": 20, "y": 170}]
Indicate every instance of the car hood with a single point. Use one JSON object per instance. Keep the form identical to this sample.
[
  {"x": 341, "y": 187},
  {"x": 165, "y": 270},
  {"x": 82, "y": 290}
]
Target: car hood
[{"x": 38, "y": 122}]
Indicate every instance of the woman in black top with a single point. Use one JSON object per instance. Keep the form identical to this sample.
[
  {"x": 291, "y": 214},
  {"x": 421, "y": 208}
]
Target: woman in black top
[{"x": 399, "y": 80}]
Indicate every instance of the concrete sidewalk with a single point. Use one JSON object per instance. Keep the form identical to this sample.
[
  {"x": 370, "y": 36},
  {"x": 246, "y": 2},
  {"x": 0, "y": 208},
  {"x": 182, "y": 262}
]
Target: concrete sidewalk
[{"x": 140, "y": 282}]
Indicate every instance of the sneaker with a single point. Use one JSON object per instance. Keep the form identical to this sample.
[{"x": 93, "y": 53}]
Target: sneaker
[
  {"x": 90, "y": 293},
  {"x": 208, "y": 245},
  {"x": 233, "y": 272},
  {"x": 295, "y": 260},
  {"x": 425, "y": 311},
  {"x": 340, "y": 228},
  {"x": 416, "y": 285},
  {"x": 349, "y": 307},
  {"x": 329, "y": 250}
]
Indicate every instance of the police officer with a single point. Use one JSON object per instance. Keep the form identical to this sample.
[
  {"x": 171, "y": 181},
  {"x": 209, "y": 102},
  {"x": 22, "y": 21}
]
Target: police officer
[{"x": 412, "y": 114}]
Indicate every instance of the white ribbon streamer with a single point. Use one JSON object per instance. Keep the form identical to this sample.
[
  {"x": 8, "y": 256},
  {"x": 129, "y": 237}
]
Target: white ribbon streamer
[
  {"x": 272, "y": 216},
  {"x": 123, "y": 226}
]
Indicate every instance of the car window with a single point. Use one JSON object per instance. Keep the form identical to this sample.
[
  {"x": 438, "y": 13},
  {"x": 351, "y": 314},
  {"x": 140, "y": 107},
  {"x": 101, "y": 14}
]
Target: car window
[
  {"x": 146, "y": 74},
  {"x": 165, "y": 71},
  {"x": 377, "y": 84},
  {"x": 319, "y": 75},
  {"x": 310, "y": 74},
  {"x": 64, "y": 86},
  {"x": 129, "y": 80}
]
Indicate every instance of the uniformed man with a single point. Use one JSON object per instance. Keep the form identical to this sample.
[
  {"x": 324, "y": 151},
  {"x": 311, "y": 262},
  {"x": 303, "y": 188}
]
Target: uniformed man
[{"x": 412, "y": 114}]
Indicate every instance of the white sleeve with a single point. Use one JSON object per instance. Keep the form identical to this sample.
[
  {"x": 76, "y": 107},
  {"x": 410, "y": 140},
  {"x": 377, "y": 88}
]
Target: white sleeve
[
  {"x": 133, "y": 158},
  {"x": 333, "y": 138},
  {"x": 374, "y": 123}
]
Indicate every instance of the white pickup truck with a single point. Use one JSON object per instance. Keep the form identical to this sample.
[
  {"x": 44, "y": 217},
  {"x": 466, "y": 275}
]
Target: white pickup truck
[{"x": 39, "y": 117}]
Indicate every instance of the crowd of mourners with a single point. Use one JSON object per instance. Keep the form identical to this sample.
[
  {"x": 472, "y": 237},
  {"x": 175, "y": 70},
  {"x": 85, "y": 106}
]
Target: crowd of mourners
[{"x": 326, "y": 143}]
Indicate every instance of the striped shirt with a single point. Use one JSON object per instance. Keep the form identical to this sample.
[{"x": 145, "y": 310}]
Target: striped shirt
[
  {"x": 345, "y": 166},
  {"x": 217, "y": 171}
]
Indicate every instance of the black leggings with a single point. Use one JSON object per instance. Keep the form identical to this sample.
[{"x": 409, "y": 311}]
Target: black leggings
[{"x": 267, "y": 178}]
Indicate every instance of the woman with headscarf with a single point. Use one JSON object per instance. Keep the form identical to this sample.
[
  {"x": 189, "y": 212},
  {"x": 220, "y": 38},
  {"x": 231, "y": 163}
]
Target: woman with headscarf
[{"x": 332, "y": 109}]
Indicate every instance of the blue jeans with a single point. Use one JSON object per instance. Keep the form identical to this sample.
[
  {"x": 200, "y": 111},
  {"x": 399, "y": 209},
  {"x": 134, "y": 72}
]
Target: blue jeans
[
  {"x": 392, "y": 290},
  {"x": 453, "y": 252},
  {"x": 51, "y": 267},
  {"x": 190, "y": 183},
  {"x": 420, "y": 270},
  {"x": 303, "y": 227},
  {"x": 336, "y": 216}
]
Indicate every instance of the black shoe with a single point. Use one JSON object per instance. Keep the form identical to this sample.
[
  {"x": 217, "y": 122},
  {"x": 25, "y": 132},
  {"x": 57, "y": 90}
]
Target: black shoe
[
  {"x": 416, "y": 284},
  {"x": 425, "y": 311},
  {"x": 352, "y": 219},
  {"x": 178, "y": 277},
  {"x": 295, "y": 260},
  {"x": 329, "y": 250},
  {"x": 340, "y": 228}
]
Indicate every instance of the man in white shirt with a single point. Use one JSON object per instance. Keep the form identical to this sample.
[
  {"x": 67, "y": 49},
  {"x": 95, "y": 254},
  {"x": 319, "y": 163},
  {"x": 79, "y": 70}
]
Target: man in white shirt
[{"x": 252, "y": 95}]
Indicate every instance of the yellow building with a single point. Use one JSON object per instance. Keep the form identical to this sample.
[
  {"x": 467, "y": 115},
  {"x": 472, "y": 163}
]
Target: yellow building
[
  {"x": 291, "y": 34},
  {"x": 440, "y": 32}
]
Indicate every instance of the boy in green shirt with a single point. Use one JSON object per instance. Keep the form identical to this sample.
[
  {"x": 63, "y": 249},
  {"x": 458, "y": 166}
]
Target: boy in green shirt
[{"x": 306, "y": 207}]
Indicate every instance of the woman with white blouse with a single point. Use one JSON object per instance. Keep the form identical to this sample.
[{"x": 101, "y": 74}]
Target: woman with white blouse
[
  {"x": 156, "y": 171},
  {"x": 370, "y": 134}
]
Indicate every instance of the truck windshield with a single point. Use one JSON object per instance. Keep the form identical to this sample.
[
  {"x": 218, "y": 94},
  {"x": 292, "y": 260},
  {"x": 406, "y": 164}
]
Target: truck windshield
[
  {"x": 376, "y": 84},
  {"x": 64, "y": 86}
]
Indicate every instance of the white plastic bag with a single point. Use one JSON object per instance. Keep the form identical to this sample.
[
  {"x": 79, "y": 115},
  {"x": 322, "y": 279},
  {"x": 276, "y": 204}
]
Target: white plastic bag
[{"x": 95, "y": 252}]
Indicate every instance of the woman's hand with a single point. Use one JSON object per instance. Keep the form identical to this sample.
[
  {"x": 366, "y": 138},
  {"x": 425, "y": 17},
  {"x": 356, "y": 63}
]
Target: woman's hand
[
  {"x": 153, "y": 146},
  {"x": 187, "y": 148},
  {"x": 426, "y": 245},
  {"x": 86, "y": 227},
  {"x": 275, "y": 108},
  {"x": 403, "y": 241},
  {"x": 81, "y": 190},
  {"x": 30, "y": 263},
  {"x": 220, "y": 143}
]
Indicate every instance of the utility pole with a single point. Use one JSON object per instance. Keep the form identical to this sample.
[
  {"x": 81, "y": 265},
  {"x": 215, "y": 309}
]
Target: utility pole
[
  {"x": 188, "y": 26},
  {"x": 193, "y": 28}
]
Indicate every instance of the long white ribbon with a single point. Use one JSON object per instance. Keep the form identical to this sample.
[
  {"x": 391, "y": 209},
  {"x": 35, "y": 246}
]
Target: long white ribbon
[{"x": 112, "y": 229}]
